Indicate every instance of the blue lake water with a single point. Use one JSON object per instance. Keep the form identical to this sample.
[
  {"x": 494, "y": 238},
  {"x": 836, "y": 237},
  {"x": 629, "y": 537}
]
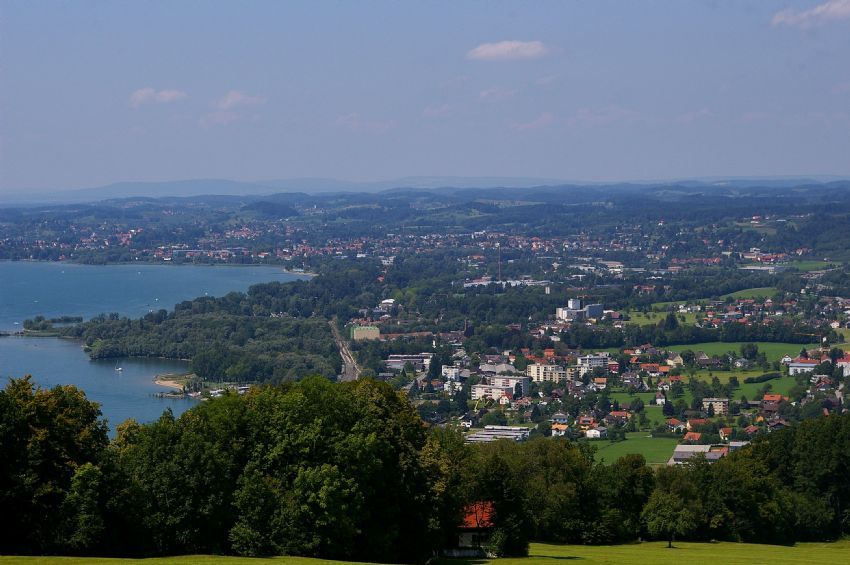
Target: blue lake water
[{"x": 28, "y": 289}]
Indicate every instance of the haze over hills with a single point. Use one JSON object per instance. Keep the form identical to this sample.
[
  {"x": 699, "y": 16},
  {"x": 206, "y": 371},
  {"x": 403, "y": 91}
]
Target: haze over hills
[
  {"x": 198, "y": 187},
  {"x": 314, "y": 185}
]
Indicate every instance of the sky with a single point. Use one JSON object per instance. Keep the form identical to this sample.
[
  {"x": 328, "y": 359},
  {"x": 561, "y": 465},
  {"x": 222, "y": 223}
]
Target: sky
[{"x": 94, "y": 92}]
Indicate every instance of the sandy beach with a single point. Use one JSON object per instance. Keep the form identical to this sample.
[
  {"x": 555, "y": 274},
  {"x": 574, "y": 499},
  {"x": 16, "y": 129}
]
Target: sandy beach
[{"x": 166, "y": 381}]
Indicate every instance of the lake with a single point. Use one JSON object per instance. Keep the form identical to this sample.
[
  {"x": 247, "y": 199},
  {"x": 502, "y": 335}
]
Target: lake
[{"x": 28, "y": 289}]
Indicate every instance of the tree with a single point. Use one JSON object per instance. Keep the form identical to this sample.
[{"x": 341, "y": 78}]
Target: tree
[
  {"x": 670, "y": 322},
  {"x": 666, "y": 515},
  {"x": 749, "y": 351},
  {"x": 494, "y": 418},
  {"x": 46, "y": 439}
]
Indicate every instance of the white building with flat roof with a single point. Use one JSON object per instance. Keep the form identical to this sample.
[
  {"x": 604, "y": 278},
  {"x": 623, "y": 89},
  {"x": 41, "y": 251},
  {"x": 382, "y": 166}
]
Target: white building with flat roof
[{"x": 542, "y": 373}]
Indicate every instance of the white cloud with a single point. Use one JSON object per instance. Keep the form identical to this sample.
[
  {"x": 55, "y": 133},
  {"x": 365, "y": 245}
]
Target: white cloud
[
  {"x": 150, "y": 95},
  {"x": 236, "y": 98},
  {"x": 496, "y": 93},
  {"x": 508, "y": 51},
  {"x": 355, "y": 122},
  {"x": 543, "y": 120},
  {"x": 822, "y": 13}
]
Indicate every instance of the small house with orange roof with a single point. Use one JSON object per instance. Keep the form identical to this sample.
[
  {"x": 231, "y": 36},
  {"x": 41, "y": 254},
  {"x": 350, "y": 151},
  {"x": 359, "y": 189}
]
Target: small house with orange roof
[{"x": 477, "y": 525}]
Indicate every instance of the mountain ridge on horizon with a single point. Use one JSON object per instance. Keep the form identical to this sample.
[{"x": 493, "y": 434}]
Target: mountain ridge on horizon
[{"x": 315, "y": 185}]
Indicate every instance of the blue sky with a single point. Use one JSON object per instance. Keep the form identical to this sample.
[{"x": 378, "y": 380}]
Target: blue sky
[{"x": 98, "y": 92}]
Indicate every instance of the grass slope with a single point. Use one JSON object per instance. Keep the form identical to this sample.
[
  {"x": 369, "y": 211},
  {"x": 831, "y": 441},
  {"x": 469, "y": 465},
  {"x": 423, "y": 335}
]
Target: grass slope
[
  {"x": 758, "y": 292},
  {"x": 631, "y": 554}
]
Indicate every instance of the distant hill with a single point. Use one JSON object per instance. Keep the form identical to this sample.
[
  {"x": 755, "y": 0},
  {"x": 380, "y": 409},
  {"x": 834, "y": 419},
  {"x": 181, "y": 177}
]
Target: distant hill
[{"x": 440, "y": 184}]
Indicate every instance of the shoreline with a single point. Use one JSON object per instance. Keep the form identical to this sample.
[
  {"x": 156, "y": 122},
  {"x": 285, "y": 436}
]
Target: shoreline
[
  {"x": 167, "y": 380},
  {"x": 167, "y": 263}
]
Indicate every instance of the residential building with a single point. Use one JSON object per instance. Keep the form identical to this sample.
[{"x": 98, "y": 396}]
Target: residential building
[
  {"x": 587, "y": 363},
  {"x": 511, "y": 382},
  {"x": 719, "y": 405},
  {"x": 542, "y": 373},
  {"x": 798, "y": 366},
  {"x": 476, "y": 528},
  {"x": 479, "y": 391}
]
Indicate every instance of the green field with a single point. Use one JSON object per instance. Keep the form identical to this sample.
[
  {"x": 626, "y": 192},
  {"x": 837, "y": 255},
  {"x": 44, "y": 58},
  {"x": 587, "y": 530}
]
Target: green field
[
  {"x": 656, "y": 450},
  {"x": 653, "y": 317},
  {"x": 781, "y": 386},
  {"x": 774, "y": 351},
  {"x": 757, "y": 292},
  {"x": 628, "y": 554},
  {"x": 811, "y": 265},
  {"x": 760, "y": 292}
]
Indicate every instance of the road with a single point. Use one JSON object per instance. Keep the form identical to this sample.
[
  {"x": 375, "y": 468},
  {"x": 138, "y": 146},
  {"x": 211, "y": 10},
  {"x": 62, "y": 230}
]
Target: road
[{"x": 350, "y": 370}]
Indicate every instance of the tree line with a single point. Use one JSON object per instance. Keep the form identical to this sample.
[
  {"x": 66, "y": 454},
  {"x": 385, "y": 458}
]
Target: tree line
[{"x": 349, "y": 471}]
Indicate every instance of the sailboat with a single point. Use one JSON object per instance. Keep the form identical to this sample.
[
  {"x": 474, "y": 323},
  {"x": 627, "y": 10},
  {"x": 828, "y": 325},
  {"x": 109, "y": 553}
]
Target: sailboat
[{"x": 118, "y": 367}]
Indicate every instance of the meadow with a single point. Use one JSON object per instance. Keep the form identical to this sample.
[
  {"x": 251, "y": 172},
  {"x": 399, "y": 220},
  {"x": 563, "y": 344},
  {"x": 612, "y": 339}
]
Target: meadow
[
  {"x": 628, "y": 554},
  {"x": 656, "y": 451},
  {"x": 773, "y": 351},
  {"x": 759, "y": 292}
]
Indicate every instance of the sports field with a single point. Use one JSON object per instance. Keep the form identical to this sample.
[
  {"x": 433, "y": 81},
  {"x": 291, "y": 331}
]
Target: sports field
[{"x": 630, "y": 554}]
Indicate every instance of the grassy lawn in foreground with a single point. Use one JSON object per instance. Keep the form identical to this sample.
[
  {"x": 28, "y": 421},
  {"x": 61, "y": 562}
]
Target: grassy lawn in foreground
[
  {"x": 656, "y": 451},
  {"x": 630, "y": 554},
  {"x": 180, "y": 560}
]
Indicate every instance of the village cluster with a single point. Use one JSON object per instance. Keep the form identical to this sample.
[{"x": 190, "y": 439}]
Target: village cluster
[{"x": 600, "y": 395}]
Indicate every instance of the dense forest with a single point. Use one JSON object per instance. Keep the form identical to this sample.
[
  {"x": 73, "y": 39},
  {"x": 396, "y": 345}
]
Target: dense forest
[{"x": 350, "y": 471}]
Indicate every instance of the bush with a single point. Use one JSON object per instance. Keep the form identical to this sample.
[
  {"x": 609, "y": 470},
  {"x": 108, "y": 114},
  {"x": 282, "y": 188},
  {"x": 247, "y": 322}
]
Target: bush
[{"x": 762, "y": 378}]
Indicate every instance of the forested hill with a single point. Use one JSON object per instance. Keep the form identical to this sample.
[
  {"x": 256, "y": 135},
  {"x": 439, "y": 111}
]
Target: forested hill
[{"x": 275, "y": 332}]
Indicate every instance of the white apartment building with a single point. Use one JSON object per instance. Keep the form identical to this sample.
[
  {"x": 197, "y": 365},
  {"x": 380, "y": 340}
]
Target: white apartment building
[{"x": 542, "y": 373}]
